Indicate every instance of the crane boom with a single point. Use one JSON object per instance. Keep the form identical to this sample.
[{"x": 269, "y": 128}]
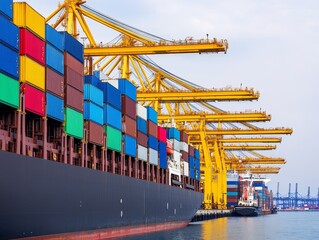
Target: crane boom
[
  {"x": 194, "y": 139},
  {"x": 237, "y": 131},
  {"x": 249, "y": 147},
  {"x": 249, "y": 160}
]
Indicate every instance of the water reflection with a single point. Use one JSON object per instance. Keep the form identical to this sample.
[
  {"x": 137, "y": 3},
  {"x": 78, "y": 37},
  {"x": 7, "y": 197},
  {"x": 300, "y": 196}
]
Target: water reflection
[{"x": 215, "y": 229}]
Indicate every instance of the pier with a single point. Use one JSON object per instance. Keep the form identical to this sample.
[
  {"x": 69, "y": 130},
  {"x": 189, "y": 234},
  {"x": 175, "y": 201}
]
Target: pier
[{"x": 203, "y": 215}]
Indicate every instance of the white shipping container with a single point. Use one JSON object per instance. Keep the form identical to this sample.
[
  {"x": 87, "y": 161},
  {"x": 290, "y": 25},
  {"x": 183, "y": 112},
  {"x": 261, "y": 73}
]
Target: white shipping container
[
  {"x": 141, "y": 112},
  {"x": 177, "y": 159},
  {"x": 176, "y": 145},
  {"x": 184, "y": 146},
  {"x": 186, "y": 168},
  {"x": 153, "y": 156},
  {"x": 142, "y": 153}
]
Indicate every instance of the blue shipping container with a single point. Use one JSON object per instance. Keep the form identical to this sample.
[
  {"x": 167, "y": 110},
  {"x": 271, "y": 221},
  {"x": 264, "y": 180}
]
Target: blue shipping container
[
  {"x": 92, "y": 80},
  {"x": 93, "y": 94},
  {"x": 55, "y": 107},
  {"x": 72, "y": 46},
  {"x": 54, "y": 37},
  {"x": 151, "y": 114},
  {"x": 9, "y": 34},
  {"x": 197, "y": 163},
  {"x": 192, "y": 173},
  {"x": 191, "y": 161},
  {"x": 173, "y": 133},
  {"x": 232, "y": 182},
  {"x": 6, "y": 8},
  {"x": 54, "y": 58},
  {"x": 196, "y": 153},
  {"x": 93, "y": 112},
  {"x": 141, "y": 125},
  {"x": 112, "y": 117},
  {"x": 129, "y": 146},
  {"x": 232, "y": 194},
  {"x": 111, "y": 95},
  {"x": 152, "y": 142},
  {"x": 127, "y": 88},
  {"x": 9, "y": 63},
  {"x": 197, "y": 175},
  {"x": 162, "y": 155}
]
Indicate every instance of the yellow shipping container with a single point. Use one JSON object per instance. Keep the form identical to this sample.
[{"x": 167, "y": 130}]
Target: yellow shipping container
[
  {"x": 26, "y": 17},
  {"x": 32, "y": 72}
]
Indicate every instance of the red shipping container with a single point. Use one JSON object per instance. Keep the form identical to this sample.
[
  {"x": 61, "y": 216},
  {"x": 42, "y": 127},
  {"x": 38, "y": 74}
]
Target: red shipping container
[
  {"x": 151, "y": 128},
  {"x": 184, "y": 155},
  {"x": 32, "y": 46},
  {"x": 161, "y": 134},
  {"x": 73, "y": 98},
  {"x": 190, "y": 150},
  {"x": 128, "y": 107},
  {"x": 34, "y": 99},
  {"x": 141, "y": 139},
  {"x": 73, "y": 64},
  {"x": 54, "y": 82},
  {"x": 73, "y": 78},
  {"x": 129, "y": 126},
  {"x": 169, "y": 147},
  {"x": 183, "y": 137},
  {"x": 96, "y": 133}
]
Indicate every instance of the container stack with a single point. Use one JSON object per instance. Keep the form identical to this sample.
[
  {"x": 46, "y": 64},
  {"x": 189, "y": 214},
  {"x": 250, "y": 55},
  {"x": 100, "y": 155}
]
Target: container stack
[
  {"x": 184, "y": 153},
  {"x": 141, "y": 127},
  {"x": 191, "y": 162},
  {"x": 173, "y": 135},
  {"x": 73, "y": 86},
  {"x": 232, "y": 188},
  {"x": 32, "y": 56},
  {"x": 197, "y": 164},
  {"x": 152, "y": 135},
  {"x": 162, "y": 145},
  {"x": 9, "y": 65}
]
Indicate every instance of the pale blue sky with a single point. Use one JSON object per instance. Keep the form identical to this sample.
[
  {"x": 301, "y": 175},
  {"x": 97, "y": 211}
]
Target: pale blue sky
[{"x": 273, "y": 47}]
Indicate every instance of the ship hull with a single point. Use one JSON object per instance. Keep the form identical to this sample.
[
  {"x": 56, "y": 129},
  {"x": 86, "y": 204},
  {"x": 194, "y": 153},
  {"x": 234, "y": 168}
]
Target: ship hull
[
  {"x": 246, "y": 211},
  {"x": 47, "y": 198}
]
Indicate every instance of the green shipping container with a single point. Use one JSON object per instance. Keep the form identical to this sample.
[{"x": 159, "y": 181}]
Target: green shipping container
[
  {"x": 74, "y": 123},
  {"x": 9, "y": 91},
  {"x": 114, "y": 138}
]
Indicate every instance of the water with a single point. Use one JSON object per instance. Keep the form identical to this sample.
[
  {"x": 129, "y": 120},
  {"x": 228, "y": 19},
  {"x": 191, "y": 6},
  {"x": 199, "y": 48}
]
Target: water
[{"x": 284, "y": 225}]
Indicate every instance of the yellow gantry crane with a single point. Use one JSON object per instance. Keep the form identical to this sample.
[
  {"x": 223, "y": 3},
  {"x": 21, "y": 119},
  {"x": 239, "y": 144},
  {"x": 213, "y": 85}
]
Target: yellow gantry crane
[{"x": 176, "y": 100}]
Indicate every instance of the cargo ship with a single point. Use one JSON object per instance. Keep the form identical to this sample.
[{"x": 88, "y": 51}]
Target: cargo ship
[{"x": 80, "y": 158}]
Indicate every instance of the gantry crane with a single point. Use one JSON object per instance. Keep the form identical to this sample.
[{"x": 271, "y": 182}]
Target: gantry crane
[{"x": 162, "y": 88}]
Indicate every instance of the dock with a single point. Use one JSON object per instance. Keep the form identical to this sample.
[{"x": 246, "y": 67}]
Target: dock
[{"x": 203, "y": 215}]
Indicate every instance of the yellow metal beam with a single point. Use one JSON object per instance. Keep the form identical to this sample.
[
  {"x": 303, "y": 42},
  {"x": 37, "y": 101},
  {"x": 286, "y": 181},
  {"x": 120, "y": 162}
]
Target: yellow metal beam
[
  {"x": 249, "y": 147},
  {"x": 259, "y": 170},
  {"x": 194, "y": 139},
  {"x": 249, "y": 160},
  {"x": 235, "y": 131}
]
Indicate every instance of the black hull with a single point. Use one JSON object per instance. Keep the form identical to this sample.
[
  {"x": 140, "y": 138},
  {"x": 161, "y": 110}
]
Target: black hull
[
  {"x": 41, "y": 197},
  {"x": 246, "y": 211}
]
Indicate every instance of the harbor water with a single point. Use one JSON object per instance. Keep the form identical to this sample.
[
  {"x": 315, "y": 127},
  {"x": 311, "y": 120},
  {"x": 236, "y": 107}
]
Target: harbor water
[{"x": 284, "y": 225}]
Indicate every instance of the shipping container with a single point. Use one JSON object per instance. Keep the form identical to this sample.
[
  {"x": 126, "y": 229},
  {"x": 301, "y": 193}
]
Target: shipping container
[
  {"x": 151, "y": 128},
  {"x": 197, "y": 163},
  {"x": 112, "y": 117},
  {"x": 196, "y": 154},
  {"x": 9, "y": 37},
  {"x": 152, "y": 142},
  {"x": 190, "y": 150},
  {"x": 129, "y": 146},
  {"x": 34, "y": 99},
  {"x": 142, "y": 139},
  {"x": 93, "y": 112},
  {"x": 186, "y": 169},
  {"x": 153, "y": 156},
  {"x": 232, "y": 182},
  {"x": 197, "y": 175},
  {"x": 54, "y": 59},
  {"x": 32, "y": 46},
  {"x": 54, "y": 82},
  {"x": 26, "y": 17},
  {"x": 9, "y": 64},
  {"x": 74, "y": 123},
  {"x": 73, "y": 78},
  {"x": 32, "y": 72},
  {"x": 176, "y": 145},
  {"x": 91, "y": 80},
  {"x": 232, "y": 194},
  {"x": 6, "y": 9},
  {"x": 192, "y": 173},
  {"x": 55, "y": 107},
  {"x": 141, "y": 111},
  {"x": 129, "y": 126},
  {"x": 232, "y": 189},
  {"x": 177, "y": 157},
  {"x": 128, "y": 106},
  {"x": 184, "y": 146},
  {"x": 127, "y": 88},
  {"x": 161, "y": 134},
  {"x": 72, "y": 46},
  {"x": 113, "y": 138},
  {"x": 73, "y": 63},
  {"x": 184, "y": 156},
  {"x": 191, "y": 161},
  {"x": 111, "y": 95},
  {"x": 183, "y": 137},
  {"x": 73, "y": 98},
  {"x": 151, "y": 114},
  {"x": 141, "y": 125},
  {"x": 162, "y": 155},
  {"x": 142, "y": 153},
  {"x": 96, "y": 133},
  {"x": 169, "y": 147},
  {"x": 173, "y": 133},
  {"x": 9, "y": 91},
  {"x": 100, "y": 75},
  {"x": 53, "y": 37},
  {"x": 93, "y": 94}
]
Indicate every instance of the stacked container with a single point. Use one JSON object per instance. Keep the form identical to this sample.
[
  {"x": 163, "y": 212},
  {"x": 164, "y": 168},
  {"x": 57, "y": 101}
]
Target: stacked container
[
  {"x": 173, "y": 136},
  {"x": 141, "y": 126},
  {"x": 73, "y": 85},
  {"x": 128, "y": 97},
  {"x": 197, "y": 164},
  {"x": 54, "y": 74},
  {"x": 162, "y": 145},
  {"x": 232, "y": 188},
  {"x": 191, "y": 161},
  {"x": 32, "y": 56},
  {"x": 152, "y": 135},
  {"x": 184, "y": 152},
  {"x": 9, "y": 65}
]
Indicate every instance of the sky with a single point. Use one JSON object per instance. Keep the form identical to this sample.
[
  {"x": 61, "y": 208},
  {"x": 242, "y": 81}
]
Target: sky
[{"x": 273, "y": 48}]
